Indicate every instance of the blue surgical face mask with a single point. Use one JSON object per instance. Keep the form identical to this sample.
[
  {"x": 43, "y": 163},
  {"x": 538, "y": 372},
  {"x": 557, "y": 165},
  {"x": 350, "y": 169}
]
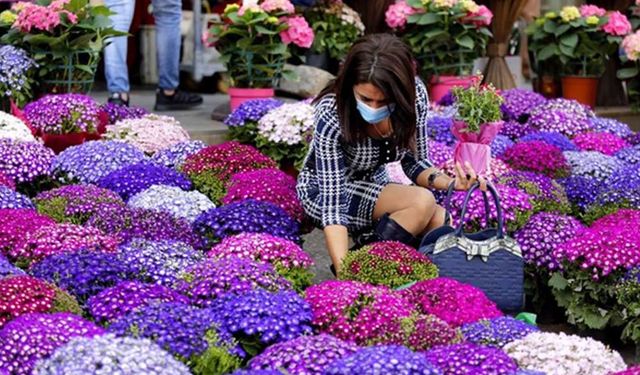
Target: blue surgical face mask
[{"x": 374, "y": 115}]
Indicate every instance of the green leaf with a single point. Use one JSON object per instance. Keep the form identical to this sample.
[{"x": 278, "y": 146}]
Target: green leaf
[
  {"x": 568, "y": 51},
  {"x": 547, "y": 52},
  {"x": 627, "y": 73},
  {"x": 557, "y": 281},
  {"x": 561, "y": 29},
  {"x": 265, "y": 31},
  {"x": 549, "y": 27},
  {"x": 465, "y": 41},
  {"x": 569, "y": 41},
  {"x": 415, "y": 3},
  {"x": 428, "y": 19}
]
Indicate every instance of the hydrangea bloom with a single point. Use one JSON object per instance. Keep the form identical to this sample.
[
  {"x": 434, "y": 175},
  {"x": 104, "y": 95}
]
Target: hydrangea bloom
[
  {"x": 629, "y": 155},
  {"x": 21, "y": 295},
  {"x": 496, "y": 332},
  {"x": 515, "y": 130},
  {"x": 387, "y": 263},
  {"x": 537, "y": 156},
  {"x": 568, "y": 106},
  {"x": 7, "y": 269},
  {"x": 558, "y": 121},
  {"x": 247, "y": 216},
  {"x": 210, "y": 279},
  {"x": 540, "y": 236},
  {"x": 581, "y": 191},
  {"x": 75, "y": 203},
  {"x": 454, "y": 302},
  {"x": 160, "y": 261},
  {"x": 518, "y": 103},
  {"x": 439, "y": 129},
  {"x": 290, "y": 124},
  {"x": 605, "y": 143},
  {"x": 611, "y": 126},
  {"x": 12, "y": 127},
  {"x": 182, "y": 204},
  {"x": 174, "y": 156},
  {"x": 16, "y": 224},
  {"x": 84, "y": 274},
  {"x": 32, "y": 337},
  {"x": 386, "y": 360},
  {"x": 357, "y": 312},
  {"x": 13, "y": 199},
  {"x": 266, "y": 185},
  {"x": 286, "y": 256},
  {"x": 251, "y": 111},
  {"x": 112, "y": 356},
  {"x": 554, "y": 139},
  {"x": 150, "y": 133},
  {"x": 24, "y": 161},
  {"x": 556, "y": 353},
  {"x": 500, "y": 144},
  {"x": 63, "y": 114},
  {"x": 468, "y": 358},
  {"x": 117, "y": 112},
  {"x": 545, "y": 193},
  {"x": 61, "y": 239},
  {"x": 90, "y": 161},
  {"x": 303, "y": 355},
  {"x": 592, "y": 164},
  {"x": 439, "y": 153},
  {"x": 119, "y": 300}
]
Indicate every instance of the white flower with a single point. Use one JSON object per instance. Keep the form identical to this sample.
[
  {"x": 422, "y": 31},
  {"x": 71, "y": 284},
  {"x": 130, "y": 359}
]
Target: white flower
[
  {"x": 173, "y": 200},
  {"x": 150, "y": 133},
  {"x": 13, "y": 128},
  {"x": 290, "y": 123}
]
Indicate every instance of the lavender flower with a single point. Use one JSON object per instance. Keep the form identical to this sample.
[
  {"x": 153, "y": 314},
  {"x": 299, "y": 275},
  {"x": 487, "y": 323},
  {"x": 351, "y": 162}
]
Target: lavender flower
[
  {"x": 568, "y": 106},
  {"x": 117, "y": 112},
  {"x": 556, "y": 121},
  {"x": 251, "y": 110},
  {"x": 16, "y": 74},
  {"x": 611, "y": 126},
  {"x": 64, "y": 114},
  {"x": 110, "y": 355},
  {"x": 84, "y": 274},
  {"x": 515, "y": 130},
  {"x": 518, "y": 103},
  {"x": 174, "y": 156},
  {"x": 32, "y": 337},
  {"x": 12, "y": 199},
  {"x": 159, "y": 261},
  {"x": 468, "y": 358},
  {"x": 439, "y": 129},
  {"x": 303, "y": 355},
  {"x": 247, "y": 216},
  {"x": 119, "y": 300},
  {"x": 211, "y": 279},
  {"x": 187, "y": 205},
  {"x": 131, "y": 180},
  {"x": 92, "y": 160},
  {"x": 496, "y": 332},
  {"x": 581, "y": 191},
  {"x": 75, "y": 203},
  {"x": 500, "y": 144},
  {"x": 554, "y": 139},
  {"x": 634, "y": 139},
  {"x": 592, "y": 164},
  {"x": 629, "y": 155},
  {"x": 24, "y": 161},
  {"x": 383, "y": 360}
]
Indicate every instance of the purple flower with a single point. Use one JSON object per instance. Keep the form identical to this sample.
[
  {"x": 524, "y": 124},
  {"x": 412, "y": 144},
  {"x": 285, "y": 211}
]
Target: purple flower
[
  {"x": 605, "y": 143},
  {"x": 518, "y": 103},
  {"x": 133, "y": 179},
  {"x": 251, "y": 110},
  {"x": 17, "y": 224},
  {"x": 174, "y": 156},
  {"x": 7, "y": 181},
  {"x": 7, "y": 269},
  {"x": 383, "y": 360},
  {"x": 515, "y": 130},
  {"x": 553, "y": 139},
  {"x": 496, "y": 332},
  {"x": 439, "y": 153},
  {"x": 557, "y": 121},
  {"x": 439, "y": 129},
  {"x": 119, "y": 300},
  {"x": 634, "y": 139},
  {"x": 581, "y": 191},
  {"x": 117, "y": 112},
  {"x": 545, "y": 193},
  {"x": 13, "y": 199},
  {"x": 64, "y": 114},
  {"x": 629, "y": 155},
  {"x": 33, "y": 337},
  {"x": 211, "y": 279},
  {"x": 76, "y": 203},
  {"x": 592, "y": 164},
  {"x": 246, "y": 216},
  {"x": 469, "y": 359},
  {"x": 16, "y": 74},
  {"x": 568, "y": 106},
  {"x": 611, "y": 126},
  {"x": 24, "y": 161},
  {"x": 500, "y": 144},
  {"x": 92, "y": 160},
  {"x": 303, "y": 355}
]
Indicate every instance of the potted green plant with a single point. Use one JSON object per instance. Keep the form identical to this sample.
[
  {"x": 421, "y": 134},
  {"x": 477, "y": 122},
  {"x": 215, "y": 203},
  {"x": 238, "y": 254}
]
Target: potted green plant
[
  {"x": 64, "y": 37},
  {"x": 631, "y": 67},
  {"x": 253, "y": 40},
  {"x": 578, "y": 41},
  {"x": 446, "y": 36}
]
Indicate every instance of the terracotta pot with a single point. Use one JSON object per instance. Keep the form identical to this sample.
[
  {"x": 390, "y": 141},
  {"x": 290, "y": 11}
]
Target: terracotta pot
[
  {"x": 442, "y": 85},
  {"x": 582, "y": 89},
  {"x": 548, "y": 87},
  {"x": 60, "y": 142},
  {"x": 238, "y": 96}
]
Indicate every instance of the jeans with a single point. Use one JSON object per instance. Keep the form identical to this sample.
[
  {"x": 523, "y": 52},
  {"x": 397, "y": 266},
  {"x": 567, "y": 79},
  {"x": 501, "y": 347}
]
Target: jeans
[{"x": 167, "y": 14}]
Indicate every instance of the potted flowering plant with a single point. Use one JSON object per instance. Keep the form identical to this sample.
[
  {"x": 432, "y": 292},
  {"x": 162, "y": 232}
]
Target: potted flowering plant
[
  {"x": 253, "y": 40},
  {"x": 477, "y": 123},
  {"x": 16, "y": 77},
  {"x": 446, "y": 37},
  {"x": 631, "y": 70},
  {"x": 579, "y": 41}
]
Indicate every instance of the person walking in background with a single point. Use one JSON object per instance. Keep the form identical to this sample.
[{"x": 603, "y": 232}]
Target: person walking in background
[{"x": 167, "y": 14}]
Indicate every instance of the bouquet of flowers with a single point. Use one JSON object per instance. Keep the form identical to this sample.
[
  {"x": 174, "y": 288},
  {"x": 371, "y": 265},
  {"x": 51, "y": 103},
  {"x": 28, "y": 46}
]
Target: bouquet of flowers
[
  {"x": 187, "y": 205},
  {"x": 254, "y": 39},
  {"x": 387, "y": 263},
  {"x": 150, "y": 133},
  {"x": 12, "y": 127},
  {"x": 17, "y": 72},
  {"x": 75, "y": 204},
  {"x": 386, "y": 359},
  {"x": 336, "y": 27},
  {"x": 12, "y": 199},
  {"x": 468, "y": 358},
  {"x": 16, "y": 224},
  {"x": 174, "y": 156},
  {"x": 537, "y": 156},
  {"x": 242, "y": 123},
  {"x": 135, "y": 178}
]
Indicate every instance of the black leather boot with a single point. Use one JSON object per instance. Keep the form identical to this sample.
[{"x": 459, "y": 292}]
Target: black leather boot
[{"x": 389, "y": 230}]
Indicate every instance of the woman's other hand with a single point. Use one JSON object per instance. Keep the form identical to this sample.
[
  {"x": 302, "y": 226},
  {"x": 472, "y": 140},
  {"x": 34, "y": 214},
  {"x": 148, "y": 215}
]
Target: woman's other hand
[{"x": 466, "y": 177}]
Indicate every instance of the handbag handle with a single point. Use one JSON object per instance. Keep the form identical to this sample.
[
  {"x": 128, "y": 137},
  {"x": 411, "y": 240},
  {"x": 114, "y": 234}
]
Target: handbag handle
[
  {"x": 447, "y": 202},
  {"x": 496, "y": 200}
]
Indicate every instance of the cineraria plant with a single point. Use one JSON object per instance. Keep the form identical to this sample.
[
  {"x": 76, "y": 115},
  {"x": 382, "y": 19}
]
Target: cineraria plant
[
  {"x": 581, "y": 191},
  {"x": 266, "y": 185},
  {"x": 557, "y": 353},
  {"x": 174, "y": 156},
  {"x": 288, "y": 258},
  {"x": 250, "y": 216},
  {"x": 150, "y": 133},
  {"x": 16, "y": 224},
  {"x": 439, "y": 129},
  {"x": 604, "y": 143},
  {"x": 35, "y": 336},
  {"x": 161, "y": 262},
  {"x": 116, "y": 112},
  {"x": 211, "y": 279},
  {"x": 629, "y": 155},
  {"x": 439, "y": 153},
  {"x": 454, "y": 302},
  {"x": 248, "y": 113},
  {"x": 12, "y": 127},
  {"x": 385, "y": 359},
  {"x": 132, "y": 179},
  {"x": 187, "y": 205},
  {"x": 592, "y": 164},
  {"x": 258, "y": 318},
  {"x": 537, "y": 156},
  {"x": 13, "y": 200},
  {"x": 21, "y": 295},
  {"x": 112, "y": 355},
  {"x": 24, "y": 162},
  {"x": 468, "y": 358},
  {"x": 496, "y": 332},
  {"x": 64, "y": 114},
  {"x": 90, "y": 161},
  {"x": 559, "y": 121},
  {"x": 554, "y": 139},
  {"x": 187, "y": 332},
  {"x": 7, "y": 269},
  {"x": 16, "y": 76},
  {"x": 119, "y": 300},
  {"x": 568, "y": 106},
  {"x": 545, "y": 194},
  {"x": 518, "y": 103},
  {"x": 611, "y": 126},
  {"x": 303, "y": 355},
  {"x": 75, "y": 203},
  {"x": 387, "y": 263},
  {"x": 500, "y": 144},
  {"x": 6, "y": 181},
  {"x": 515, "y": 130}
]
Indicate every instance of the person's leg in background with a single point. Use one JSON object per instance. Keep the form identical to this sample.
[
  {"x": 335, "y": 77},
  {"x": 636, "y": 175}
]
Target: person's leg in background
[
  {"x": 168, "y": 14},
  {"x": 115, "y": 53}
]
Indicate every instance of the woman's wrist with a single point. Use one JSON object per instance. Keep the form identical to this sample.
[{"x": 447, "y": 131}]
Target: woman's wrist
[{"x": 434, "y": 178}]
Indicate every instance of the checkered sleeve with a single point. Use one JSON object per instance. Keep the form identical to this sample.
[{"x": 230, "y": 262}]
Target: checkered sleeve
[
  {"x": 330, "y": 164},
  {"x": 415, "y": 163}
]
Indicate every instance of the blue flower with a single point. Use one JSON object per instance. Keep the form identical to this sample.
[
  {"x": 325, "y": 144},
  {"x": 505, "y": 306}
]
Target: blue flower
[
  {"x": 500, "y": 144},
  {"x": 251, "y": 110},
  {"x": 12, "y": 199},
  {"x": 133, "y": 179},
  {"x": 439, "y": 129},
  {"x": 174, "y": 156},
  {"x": 496, "y": 332},
  {"x": 383, "y": 360},
  {"x": 554, "y": 139}
]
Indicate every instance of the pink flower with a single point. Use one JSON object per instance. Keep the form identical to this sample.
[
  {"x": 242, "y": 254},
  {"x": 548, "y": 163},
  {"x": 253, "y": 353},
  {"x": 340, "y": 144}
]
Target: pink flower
[
  {"x": 480, "y": 18},
  {"x": 631, "y": 46},
  {"x": 592, "y": 10},
  {"x": 37, "y": 17},
  {"x": 298, "y": 32},
  {"x": 277, "y": 5},
  {"x": 618, "y": 24},
  {"x": 397, "y": 14}
]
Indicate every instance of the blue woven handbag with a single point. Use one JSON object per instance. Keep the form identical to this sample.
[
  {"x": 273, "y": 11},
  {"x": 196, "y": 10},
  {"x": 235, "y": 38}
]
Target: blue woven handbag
[{"x": 488, "y": 259}]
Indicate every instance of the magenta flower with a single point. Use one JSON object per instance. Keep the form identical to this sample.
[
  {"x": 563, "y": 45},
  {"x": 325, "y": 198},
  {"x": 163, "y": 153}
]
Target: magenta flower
[
  {"x": 298, "y": 32},
  {"x": 537, "y": 156},
  {"x": 15, "y": 225},
  {"x": 605, "y": 143}
]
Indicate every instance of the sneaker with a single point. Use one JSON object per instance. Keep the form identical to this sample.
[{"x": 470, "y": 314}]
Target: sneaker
[
  {"x": 117, "y": 98},
  {"x": 180, "y": 100}
]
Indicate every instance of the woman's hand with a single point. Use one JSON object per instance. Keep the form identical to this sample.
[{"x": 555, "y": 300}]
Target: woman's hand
[{"x": 466, "y": 177}]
